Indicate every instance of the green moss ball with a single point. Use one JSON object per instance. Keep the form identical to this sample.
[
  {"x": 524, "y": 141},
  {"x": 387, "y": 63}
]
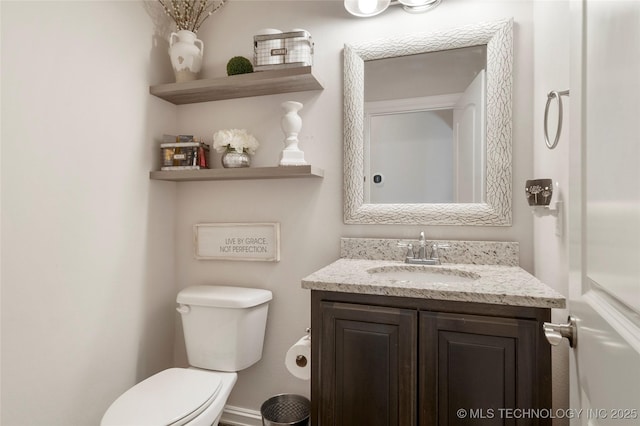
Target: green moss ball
[{"x": 239, "y": 65}]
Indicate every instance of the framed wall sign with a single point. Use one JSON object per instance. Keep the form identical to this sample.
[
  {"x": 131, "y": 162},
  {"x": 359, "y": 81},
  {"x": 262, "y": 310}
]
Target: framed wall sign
[{"x": 237, "y": 241}]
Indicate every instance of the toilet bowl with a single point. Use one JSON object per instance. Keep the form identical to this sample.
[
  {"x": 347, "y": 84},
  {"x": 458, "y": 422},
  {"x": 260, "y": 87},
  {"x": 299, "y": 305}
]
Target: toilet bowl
[{"x": 196, "y": 395}]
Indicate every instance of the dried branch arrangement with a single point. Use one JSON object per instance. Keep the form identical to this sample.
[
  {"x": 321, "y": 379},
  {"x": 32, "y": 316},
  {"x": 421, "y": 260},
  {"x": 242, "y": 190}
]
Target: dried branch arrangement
[{"x": 190, "y": 14}]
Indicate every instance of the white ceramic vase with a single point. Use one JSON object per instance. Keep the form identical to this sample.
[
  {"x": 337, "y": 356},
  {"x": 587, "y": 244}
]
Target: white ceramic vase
[
  {"x": 185, "y": 51},
  {"x": 291, "y": 124}
]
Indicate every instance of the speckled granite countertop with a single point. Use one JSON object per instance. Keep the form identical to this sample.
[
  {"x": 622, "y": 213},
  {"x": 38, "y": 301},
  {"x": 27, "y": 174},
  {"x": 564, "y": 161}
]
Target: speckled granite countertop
[{"x": 496, "y": 284}]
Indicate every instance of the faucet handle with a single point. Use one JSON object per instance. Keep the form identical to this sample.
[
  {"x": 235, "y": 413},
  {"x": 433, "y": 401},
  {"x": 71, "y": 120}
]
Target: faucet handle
[
  {"x": 434, "y": 250},
  {"x": 409, "y": 248},
  {"x": 439, "y": 245}
]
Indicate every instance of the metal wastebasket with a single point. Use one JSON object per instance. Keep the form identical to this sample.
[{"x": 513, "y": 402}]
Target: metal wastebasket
[{"x": 286, "y": 410}]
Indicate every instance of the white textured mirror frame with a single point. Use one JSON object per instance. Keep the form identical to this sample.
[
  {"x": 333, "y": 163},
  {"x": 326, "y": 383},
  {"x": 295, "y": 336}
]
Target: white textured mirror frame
[{"x": 496, "y": 210}]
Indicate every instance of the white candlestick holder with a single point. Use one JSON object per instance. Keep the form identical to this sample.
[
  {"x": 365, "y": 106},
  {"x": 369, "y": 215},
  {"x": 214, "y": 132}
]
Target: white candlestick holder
[{"x": 291, "y": 124}]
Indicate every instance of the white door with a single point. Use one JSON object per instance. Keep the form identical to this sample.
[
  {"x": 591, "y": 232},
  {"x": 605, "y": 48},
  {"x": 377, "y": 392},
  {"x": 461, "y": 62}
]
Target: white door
[
  {"x": 469, "y": 142},
  {"x": 604, "y": 212}
]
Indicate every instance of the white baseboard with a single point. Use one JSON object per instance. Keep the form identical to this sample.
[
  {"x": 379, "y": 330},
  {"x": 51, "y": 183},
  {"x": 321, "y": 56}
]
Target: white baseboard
[{"x": 238, "y": 416}]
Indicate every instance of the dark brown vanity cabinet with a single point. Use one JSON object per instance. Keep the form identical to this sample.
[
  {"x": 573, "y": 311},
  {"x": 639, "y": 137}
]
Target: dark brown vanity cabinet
[
  {"x": 368, "y": 363},
  {"x": 387, "y": 361},
  {"x": 481, "y": 364}
]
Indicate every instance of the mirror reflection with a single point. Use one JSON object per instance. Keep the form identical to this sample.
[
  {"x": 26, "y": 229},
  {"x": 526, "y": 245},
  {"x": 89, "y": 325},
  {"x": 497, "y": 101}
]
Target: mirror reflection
[{"x": 424, "y": 127}]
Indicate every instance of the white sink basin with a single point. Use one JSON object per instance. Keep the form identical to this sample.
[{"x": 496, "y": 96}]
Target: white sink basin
[{"x": 423, "y": 274}]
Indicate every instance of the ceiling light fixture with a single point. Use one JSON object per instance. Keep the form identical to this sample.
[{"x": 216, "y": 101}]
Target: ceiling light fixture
[{"x": 368, "y": 8}]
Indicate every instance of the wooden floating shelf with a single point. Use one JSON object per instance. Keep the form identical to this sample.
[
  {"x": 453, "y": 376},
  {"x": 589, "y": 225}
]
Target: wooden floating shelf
[
  {"x": 242, "y": 173},
  {"x": 238, "y": 86}
]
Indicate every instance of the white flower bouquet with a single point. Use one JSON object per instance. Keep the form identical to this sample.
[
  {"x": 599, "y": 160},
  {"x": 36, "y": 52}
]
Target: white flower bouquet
[{"x": 235, "y": 139}]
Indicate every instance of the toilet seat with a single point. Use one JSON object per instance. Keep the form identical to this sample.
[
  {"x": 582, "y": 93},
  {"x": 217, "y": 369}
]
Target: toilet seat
[{"x": 172, "y": 397}]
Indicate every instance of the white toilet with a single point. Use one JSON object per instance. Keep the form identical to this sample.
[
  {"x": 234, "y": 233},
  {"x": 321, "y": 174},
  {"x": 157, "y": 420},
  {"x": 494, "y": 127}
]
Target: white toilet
[{"x": 224, "y": 332}]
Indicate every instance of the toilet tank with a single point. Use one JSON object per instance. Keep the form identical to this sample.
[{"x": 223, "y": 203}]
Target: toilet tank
[{"x": 223, "y": 326}]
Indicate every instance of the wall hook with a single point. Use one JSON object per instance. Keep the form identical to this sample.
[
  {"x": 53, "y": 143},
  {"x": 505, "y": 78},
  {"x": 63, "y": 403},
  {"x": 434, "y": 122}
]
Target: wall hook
[{"x": 551, "y": 95}]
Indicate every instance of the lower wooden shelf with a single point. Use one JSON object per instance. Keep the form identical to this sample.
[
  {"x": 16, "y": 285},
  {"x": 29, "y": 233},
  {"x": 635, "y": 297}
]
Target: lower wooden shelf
[{"x": 243, "y": 173}]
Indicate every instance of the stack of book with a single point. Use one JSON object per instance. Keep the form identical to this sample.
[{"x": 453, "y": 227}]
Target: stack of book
[{"x": 184, "y": 152}]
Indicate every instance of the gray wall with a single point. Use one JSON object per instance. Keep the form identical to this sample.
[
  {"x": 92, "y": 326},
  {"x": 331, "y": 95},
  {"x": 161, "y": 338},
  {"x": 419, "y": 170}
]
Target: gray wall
[
  {"x": 88, "y": 283},
  {"x": 552, "y": 36},
  {"x": 310, "y": 211},
  {"x": 94, "y": 252}
]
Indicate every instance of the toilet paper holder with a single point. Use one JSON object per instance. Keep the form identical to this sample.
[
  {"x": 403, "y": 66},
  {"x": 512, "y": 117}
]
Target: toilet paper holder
[{"x": 301, "y": 360}]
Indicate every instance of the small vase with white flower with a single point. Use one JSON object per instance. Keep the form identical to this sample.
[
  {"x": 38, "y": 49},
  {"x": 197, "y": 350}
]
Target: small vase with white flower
[{"x": 236, "y": 146}]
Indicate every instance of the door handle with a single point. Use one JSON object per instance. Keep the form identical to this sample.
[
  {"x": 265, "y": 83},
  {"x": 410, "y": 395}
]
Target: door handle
[{"x": 556, "y": 332}]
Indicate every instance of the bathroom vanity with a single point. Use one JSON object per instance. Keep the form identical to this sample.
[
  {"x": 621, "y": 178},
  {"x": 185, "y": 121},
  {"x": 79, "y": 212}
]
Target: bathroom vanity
[
  {"x": 457, "y": 343},
  {"x": 397, "y": 344}
]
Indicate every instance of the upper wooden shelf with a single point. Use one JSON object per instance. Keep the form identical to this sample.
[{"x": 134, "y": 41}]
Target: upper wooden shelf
[
  {"x": 240, "y": 173},
  {"x": 238, "y": 86}
]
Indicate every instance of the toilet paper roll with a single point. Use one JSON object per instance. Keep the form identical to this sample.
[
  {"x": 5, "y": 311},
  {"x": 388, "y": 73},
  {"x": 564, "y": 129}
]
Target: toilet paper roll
[{"x": 298, "y": 359}]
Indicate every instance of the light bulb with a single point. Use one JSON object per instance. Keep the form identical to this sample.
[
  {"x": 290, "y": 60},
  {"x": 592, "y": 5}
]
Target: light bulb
[{"x": 367, "y": 6}]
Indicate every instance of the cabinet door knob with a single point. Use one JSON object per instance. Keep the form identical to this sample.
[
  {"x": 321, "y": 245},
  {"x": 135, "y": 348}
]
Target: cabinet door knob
[{"x": 556, "y": 332}]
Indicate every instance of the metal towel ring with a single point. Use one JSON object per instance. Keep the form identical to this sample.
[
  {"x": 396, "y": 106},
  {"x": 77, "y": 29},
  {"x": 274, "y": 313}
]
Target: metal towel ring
[{"x": 550, "y": 96}]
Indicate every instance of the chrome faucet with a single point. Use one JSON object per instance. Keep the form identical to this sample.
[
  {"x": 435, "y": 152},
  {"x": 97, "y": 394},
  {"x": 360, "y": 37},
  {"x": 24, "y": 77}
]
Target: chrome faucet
[
  {"x": 420, "y": 257},
  {"x": 422, "y": 249}
]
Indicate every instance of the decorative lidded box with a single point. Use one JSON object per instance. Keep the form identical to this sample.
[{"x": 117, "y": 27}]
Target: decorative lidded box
[{"x": 282, "y": 50}]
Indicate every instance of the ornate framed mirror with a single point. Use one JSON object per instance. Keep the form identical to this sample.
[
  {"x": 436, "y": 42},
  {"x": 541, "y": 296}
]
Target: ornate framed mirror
[{"x": 493, "y": 206}]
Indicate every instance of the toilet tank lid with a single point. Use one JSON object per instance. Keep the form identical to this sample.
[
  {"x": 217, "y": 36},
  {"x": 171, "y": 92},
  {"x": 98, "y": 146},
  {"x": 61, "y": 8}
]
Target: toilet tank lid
[{"x": 223, "y": 296}]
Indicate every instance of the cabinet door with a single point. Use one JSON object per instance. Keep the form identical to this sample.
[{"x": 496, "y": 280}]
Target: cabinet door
[
  {"x": 367, "y": 366},
  {"x": 482, "y": 365}
]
